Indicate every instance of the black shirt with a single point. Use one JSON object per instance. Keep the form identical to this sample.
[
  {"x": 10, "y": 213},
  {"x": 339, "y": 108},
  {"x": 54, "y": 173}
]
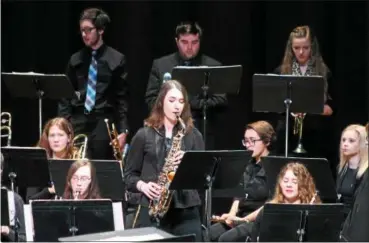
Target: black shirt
[
  {"x": 255, "y": 188},
  {"x": 111, "y": 86},
  {"x": 19, "y": 219},
  {"x": 346, "y": 186},
  {"x": 146, "y": 158}
]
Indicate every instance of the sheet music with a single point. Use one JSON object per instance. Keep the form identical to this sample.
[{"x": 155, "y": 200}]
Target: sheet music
[
  {"x": 153, "y": 236},
  {"x": 11, "y": 207},
  {"x": 118, "y": 216},
  {"x": 212, "y": 67},
  {"x": 28, "y": 219}
]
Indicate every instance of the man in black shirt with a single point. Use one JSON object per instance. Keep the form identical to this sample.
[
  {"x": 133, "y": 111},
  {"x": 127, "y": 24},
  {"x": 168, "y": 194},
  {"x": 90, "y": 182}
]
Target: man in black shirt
[
  {"x": 98, "y": 72},
  {"x": 188, "y": 36}
]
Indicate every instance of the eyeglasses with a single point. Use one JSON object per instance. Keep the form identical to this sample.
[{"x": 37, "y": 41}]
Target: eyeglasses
[
  {"x": 249, "y": 141},
  {"x": 82, "y": 178},
  {"x": 87, "y": 30}
]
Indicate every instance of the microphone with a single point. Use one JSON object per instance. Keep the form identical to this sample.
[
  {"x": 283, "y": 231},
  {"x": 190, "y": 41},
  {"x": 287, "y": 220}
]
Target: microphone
[{"x": 167, "y": 76}]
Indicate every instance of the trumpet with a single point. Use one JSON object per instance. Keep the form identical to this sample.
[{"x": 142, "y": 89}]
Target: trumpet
[
  {"x": 297, "y": 129},
  {"x": 6, "y": 125},
  {"x": 113, "y": 134},
  {"x": 81, "y": 146}
]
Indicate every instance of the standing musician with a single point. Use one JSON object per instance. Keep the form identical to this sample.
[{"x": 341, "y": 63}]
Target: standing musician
[
  {"x": 302, "y": 57},
  {"x": 98, "y": 72},
  {"x": 188, "y": 37},
  {"x": 259, "y": 138},
  {"x": 81, "y": 181},
  {"x": 147, "y": 156},
  {"x": 353, "y": 164},
  {"x": 8, "y": 232},
  {"x": 57, "y": 139},
  {"x": 295, "y": 185}
]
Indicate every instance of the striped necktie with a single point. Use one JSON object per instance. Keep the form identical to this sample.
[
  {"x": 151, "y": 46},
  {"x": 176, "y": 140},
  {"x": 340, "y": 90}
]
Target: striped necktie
[{"x": 91, "y": 84}]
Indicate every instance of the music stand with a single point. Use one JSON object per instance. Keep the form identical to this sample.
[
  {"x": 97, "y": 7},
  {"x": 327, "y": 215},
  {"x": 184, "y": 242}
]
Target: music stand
[
  {"x": 19, "y": 164},
  {"x": 203, "y": 79},
  {"x": 319, "y": 169},
  {"x": 60, "y": 218},
  {"x": 38, "y": 85},
  {"x": 108, "y": 173},
  {"x": 288, "y": 93},
  {"x": 210, "y": 170},
  {"x": 301, "y": 222}
]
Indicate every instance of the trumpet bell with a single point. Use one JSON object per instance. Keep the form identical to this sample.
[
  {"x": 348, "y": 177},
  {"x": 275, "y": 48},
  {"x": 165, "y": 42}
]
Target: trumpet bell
[{"x": 300, "y": 149}]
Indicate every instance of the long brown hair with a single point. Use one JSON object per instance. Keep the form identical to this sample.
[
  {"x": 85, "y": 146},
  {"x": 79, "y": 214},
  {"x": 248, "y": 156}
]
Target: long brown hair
[
  {"x": 156, "y": 118},
  {"x": 306, "y": 185},
  {"x": 62, "y": 124},
  {"x": 318, "y": 65},
  {"x": 93, "y": 191},
  {"x": 363, "y": 149}
]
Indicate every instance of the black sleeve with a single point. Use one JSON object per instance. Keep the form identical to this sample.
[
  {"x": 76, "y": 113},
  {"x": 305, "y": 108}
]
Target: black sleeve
[
  {"x": 64, "y": 105},
  {"x": 43, "y": 194},
  {"x": 121, "y": 87},
  {"x": 153, "y": 86},
  {"x": 19, "y": 217},
  {"x": 134, "y": 163},
  {"x": 198, "y": 141}
]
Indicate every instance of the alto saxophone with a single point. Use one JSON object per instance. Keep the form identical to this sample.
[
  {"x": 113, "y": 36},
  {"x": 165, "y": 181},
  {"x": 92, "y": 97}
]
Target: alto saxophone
[{"x": 159, "y": 207}]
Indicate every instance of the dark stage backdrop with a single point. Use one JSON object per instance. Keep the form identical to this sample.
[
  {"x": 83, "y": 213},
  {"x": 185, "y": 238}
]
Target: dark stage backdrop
[{"x": 41, "y": 36}]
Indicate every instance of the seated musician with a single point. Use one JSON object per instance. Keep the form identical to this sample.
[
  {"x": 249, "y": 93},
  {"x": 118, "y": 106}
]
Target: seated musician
[
  {"x": 8, "y": 232},
  {"x": 57, "y": 140},
  {"x": 259, "y": 137},
  {"x": 81, "y": 182},
  {"x": 353, "y": 163},
  {"x": 295, "y": 185}
]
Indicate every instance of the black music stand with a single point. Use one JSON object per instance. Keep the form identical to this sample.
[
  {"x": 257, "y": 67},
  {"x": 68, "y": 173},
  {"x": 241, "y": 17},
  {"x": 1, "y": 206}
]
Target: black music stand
[
  {"x": 288, "y": 93},
  {"x": 203, "y": 79},
  {"x": 319, "y": 169},
  {"x": 210, "y": 170},
  {"x": 301, "y": 222},
  {"x": 60, "y": 218},
  {"x": 38, "y": 85},
  {"x": 108, "y": 173},
  {"x": 19, "y": 164}
]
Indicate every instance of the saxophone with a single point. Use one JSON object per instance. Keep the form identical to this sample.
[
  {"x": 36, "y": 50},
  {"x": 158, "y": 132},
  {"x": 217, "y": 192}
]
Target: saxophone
[{"x": 159, "y": 207}]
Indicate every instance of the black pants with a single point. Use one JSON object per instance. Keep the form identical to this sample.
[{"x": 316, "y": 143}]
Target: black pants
[
  {"x": 98, "y": 146},
  {"x": 222, "y": 232},
  {"x": 177, "y": 221}
]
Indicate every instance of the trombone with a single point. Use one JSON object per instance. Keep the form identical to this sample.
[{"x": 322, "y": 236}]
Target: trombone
[
  {"x": 6, "y": 125},
  {"x": 80, "y": 143},
  {"x": 297, "y": 129}
]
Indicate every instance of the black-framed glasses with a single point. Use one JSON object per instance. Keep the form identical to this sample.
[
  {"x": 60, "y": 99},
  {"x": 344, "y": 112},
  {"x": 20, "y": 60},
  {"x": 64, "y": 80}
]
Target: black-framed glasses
[
  {"x": 87, "y": 30},
  {"x": 249, "y": 141}
]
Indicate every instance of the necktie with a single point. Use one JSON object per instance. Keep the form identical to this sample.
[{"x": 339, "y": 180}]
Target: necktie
[{"x": 91, "y": 84}]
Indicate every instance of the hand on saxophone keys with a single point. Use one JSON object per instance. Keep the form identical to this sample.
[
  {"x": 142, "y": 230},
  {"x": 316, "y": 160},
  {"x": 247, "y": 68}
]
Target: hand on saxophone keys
[
  {"x": 178, "y": 157},
  {"x": 150, "y": 189}
]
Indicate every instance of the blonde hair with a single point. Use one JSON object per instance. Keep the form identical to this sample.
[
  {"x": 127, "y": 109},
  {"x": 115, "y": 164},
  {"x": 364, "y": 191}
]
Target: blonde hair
[{"x": 363, "y": 149}]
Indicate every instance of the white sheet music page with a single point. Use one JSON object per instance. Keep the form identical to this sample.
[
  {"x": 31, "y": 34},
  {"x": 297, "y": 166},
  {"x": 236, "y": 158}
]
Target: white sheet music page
[{"x": 153, "y": 236}]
